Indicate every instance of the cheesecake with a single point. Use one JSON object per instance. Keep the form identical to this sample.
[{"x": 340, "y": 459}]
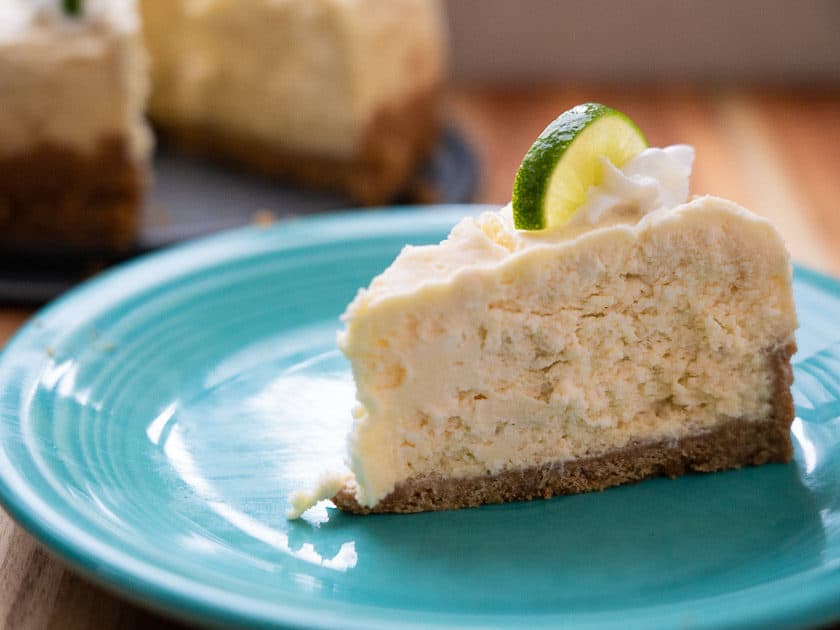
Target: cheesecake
[
  {"x": 337, "y": 94},
  {"x": 75, "y": 147},
  {"x": 651, "y": 335}
]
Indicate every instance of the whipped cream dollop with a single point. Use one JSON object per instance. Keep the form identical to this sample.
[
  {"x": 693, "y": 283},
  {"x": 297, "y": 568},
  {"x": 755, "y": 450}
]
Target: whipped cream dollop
[{"x": 652, "y": 180}]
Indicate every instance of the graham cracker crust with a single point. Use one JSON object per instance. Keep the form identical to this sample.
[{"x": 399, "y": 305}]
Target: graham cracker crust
[
  {"x": 732, "y": 444},
  {"x": 54, "y": 196},
  {"x": 397, "y": 139}
]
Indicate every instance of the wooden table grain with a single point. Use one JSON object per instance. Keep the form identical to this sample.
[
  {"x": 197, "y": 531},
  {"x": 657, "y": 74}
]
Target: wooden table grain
[{"x": 775, "y": 151}]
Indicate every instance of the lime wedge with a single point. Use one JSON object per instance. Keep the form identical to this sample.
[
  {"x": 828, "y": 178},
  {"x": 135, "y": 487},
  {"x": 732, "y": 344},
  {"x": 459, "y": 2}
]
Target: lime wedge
[
  {"x": 72, "y": 7},
  {"x": 564, "y": 163}
]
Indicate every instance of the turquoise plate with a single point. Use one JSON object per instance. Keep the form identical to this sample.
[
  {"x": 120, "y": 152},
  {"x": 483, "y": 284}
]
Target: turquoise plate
[{"x": 154, "y": 422}]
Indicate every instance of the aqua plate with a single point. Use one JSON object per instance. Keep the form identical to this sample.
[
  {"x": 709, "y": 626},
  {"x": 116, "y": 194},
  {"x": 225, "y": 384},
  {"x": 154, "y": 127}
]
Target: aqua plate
[{"x": 154, "y": 422}]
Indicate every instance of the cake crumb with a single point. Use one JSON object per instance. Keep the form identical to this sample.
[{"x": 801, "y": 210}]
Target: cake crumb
[
  {"x": 328, "y": 486},
  {"x": 263, "y": 218}
]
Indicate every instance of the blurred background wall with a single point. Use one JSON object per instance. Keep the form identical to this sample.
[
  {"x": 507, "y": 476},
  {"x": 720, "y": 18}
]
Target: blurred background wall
[{"x": 750, "y": 41}]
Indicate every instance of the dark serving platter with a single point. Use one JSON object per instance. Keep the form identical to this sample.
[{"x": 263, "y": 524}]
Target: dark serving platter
[{"x": 192, "y": 197}]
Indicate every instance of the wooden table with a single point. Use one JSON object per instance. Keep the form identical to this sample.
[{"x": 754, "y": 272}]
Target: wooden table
[{"x": 775, "y": 152}]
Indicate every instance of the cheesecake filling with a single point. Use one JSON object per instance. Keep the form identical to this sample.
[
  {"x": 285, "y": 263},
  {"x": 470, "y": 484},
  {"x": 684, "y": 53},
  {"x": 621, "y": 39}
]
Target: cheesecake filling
[
  {"x": 498, "y": 348},
  {"x": 314, "y": 75}
]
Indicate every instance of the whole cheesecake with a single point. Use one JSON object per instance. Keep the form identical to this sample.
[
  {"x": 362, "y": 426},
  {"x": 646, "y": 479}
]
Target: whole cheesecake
[
  {"x": 75, "y": 147},
  {"x": 649, "y": 336},
  {"x": 334, "y": 93}
]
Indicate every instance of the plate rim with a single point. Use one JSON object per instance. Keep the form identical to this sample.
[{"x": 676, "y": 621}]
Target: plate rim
[{"x": 151, "y": 586}]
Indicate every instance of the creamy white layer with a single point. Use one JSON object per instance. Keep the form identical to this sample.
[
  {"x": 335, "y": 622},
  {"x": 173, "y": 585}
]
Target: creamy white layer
[
  {"x": 652, "y": 180},
  {"x": 71, "y": 81},
  {"x": 311, "y": 76}
]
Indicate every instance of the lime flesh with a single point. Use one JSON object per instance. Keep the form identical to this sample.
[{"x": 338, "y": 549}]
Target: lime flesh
[{"x": 565, "y": 162}]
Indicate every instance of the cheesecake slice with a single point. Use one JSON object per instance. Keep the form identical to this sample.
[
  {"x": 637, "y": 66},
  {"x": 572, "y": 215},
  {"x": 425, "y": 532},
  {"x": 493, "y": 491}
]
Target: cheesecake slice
[
  {"x": 74, "y": 149},
  {"x": 337, "y": 94},
  {"x": 650, "y": 336}
]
